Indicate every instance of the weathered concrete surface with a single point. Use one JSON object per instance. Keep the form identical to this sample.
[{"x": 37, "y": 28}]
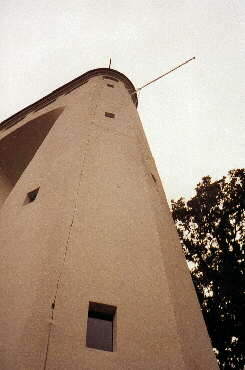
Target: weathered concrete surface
[{"x": 99, "y": 230}]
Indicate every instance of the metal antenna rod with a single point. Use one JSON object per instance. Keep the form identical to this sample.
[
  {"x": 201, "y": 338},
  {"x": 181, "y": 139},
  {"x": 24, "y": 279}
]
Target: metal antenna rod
[
  {"x": 110, "y": 63},
  {"x": 148, "y": 83}
]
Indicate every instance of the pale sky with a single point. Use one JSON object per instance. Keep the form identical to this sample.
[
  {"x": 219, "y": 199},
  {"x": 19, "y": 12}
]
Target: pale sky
[{"x": 193, "y": 118}]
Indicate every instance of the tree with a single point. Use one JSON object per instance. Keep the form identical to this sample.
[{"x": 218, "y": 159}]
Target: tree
[{"x": 211, "y": 226}]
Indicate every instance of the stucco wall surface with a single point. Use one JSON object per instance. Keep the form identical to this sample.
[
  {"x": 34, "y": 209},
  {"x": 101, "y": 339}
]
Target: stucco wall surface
[{"x": 99, "y": 230}]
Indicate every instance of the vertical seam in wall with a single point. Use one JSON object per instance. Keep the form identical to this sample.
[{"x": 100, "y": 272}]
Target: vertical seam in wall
[{"x": 70, "y": 227}]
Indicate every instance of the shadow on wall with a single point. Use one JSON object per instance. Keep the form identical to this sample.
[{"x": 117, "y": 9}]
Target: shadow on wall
[{"x": 19, "y": 147}]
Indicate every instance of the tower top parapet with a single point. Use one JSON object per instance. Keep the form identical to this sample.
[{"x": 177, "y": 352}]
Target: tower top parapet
[
  {"x": 72, "y": 84},
  {"x": 114, "y": 74}
]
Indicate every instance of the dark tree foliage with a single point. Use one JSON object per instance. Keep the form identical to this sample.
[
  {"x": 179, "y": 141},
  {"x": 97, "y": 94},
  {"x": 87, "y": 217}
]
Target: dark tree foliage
[{"x": 211, "y": 226}]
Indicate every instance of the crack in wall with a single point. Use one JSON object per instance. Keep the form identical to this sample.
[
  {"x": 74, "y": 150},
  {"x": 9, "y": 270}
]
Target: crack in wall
[{"x": 83, "y": 161}]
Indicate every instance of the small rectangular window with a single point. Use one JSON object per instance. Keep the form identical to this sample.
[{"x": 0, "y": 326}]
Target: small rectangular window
[
  {"x": 31, "y": 196},
  {"x": 110, "y": 115},
  {"x": 154, "y": 179},
  {"x": 110, "y": 78},
  {"x": 110, "y": 85},
  {"x": 100, "y": 326}
]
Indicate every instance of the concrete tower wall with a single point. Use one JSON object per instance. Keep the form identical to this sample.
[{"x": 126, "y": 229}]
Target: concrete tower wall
[{"x": 99, "y": 231}]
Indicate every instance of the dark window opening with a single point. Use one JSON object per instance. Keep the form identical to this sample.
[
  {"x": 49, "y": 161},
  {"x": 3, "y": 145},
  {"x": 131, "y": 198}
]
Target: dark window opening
[
  {"x": 31, "y": 196},
  {"x": 108, "y": 114},
  {"x": 100, "y": 326},
  {"x": 110, "y": 85},
  {"x": 153, "y": 178},
  {"x": 110, "y": 78}
]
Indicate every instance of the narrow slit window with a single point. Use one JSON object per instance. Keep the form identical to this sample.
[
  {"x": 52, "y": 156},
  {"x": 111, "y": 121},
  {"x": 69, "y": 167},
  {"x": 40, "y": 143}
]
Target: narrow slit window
[
  {"x": 110, "y": 78},
  {"x": 154, "y": 179},
  {"x": 110, "y": 115},
  {"x": 100, "y": 326},
  {"x": 110, "y": 85},
  {"x": 31, "y": 196}
]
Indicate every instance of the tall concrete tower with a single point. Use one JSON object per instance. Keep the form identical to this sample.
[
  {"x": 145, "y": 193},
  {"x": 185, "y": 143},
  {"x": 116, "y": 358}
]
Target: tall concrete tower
[{"x": 92, "y": 272}]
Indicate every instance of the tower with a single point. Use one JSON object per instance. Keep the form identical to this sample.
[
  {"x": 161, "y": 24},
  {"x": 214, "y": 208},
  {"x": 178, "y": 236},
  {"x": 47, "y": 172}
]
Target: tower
[{"x": 92, "y": 272}]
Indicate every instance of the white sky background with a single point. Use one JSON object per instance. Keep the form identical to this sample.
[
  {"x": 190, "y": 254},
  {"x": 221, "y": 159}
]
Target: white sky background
[{"x": 193, "y": 118}]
